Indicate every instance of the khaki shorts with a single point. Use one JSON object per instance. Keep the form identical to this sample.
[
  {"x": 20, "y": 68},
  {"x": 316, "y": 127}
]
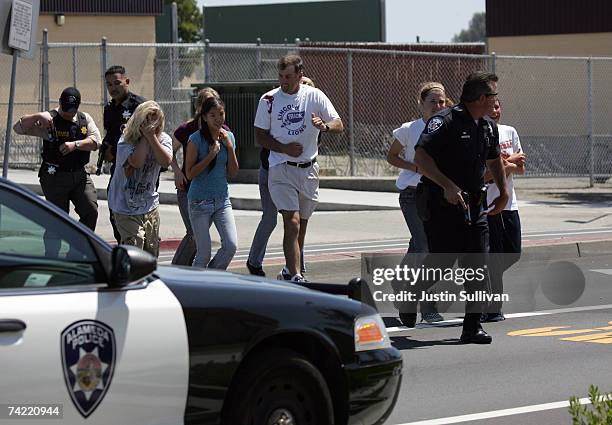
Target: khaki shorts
[
  {"x": 294, "y": 189},
  {"x": 140, "y": 230}
]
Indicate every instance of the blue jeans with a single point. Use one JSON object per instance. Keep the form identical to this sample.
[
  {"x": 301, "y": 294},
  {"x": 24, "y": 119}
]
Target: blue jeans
[
  {"x": 266, "y": 225},
  {"x": 203, "y": 213},
  {"x": 418, "y": 240},
  {"x": 186, "y": 250}
]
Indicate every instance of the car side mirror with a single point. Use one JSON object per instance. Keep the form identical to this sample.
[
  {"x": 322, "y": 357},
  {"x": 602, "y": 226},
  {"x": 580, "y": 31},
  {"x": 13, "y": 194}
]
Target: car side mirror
[{"x": 129, "y": 264}]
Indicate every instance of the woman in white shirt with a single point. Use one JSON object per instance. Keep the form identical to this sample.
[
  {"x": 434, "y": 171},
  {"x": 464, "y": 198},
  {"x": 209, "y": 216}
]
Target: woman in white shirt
[{"x": 431, "y": 99}]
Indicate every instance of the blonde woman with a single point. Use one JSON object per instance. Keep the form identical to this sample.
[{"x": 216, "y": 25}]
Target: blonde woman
[
  {"x": 431, "y": 98},
  {"x": 142, "y": 151}
]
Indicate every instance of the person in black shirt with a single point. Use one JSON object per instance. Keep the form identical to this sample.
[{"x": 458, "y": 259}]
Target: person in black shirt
[
  {"x": 452, "y": 153},
  {"x": 117, "y": 112},
  {"x": 69, "y": 135}
]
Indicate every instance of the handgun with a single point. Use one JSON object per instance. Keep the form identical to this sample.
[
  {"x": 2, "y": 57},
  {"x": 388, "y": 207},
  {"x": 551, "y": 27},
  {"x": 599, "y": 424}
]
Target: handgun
[
  {"x": 101, "y": 155},
  {"x": 467, "y": 215}
]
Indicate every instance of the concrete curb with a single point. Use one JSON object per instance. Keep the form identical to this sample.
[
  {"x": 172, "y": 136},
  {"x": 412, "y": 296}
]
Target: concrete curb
[
  {"x": 361, "y": 183},
  {"x": 535, "y": 252},
  {"x": 251, "y": 204}
]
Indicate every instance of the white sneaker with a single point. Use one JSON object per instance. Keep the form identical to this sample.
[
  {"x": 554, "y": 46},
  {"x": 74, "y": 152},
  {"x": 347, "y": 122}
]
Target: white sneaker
[
  {"x": 283, "y": 274},
  {"x": 298, "y": 278}
]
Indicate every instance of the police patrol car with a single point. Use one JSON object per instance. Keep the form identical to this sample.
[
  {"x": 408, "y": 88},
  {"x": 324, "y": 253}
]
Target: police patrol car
[{"x": 101, "y": 335}]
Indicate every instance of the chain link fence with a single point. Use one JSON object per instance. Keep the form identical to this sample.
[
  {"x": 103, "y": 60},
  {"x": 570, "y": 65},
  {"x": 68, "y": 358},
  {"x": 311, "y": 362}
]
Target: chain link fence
[{"x": 558, "y": 105}]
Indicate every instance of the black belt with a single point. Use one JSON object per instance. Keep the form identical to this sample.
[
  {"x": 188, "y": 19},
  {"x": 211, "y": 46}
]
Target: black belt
[{"x": 301, "y": 164}]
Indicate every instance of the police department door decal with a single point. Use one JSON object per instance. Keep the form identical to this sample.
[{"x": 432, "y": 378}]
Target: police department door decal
[{"x": 88, "y": 361}]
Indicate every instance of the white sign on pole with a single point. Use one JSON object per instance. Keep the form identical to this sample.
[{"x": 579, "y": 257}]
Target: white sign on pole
[
  {"x": 20, "y": 35},
  {"x": 19, "y": 27}
]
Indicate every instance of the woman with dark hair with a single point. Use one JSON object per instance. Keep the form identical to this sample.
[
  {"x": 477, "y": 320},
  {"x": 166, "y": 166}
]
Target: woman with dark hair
[
  {"x": 210, "y": 158},
  {"x": 186, "y": 250}
]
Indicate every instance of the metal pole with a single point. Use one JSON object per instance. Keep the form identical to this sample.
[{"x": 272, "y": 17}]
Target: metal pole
[
  {"x": 45, "y": 67},
  {"x": 206, "y": 60},
  {"x": 351, "y": 128},
  {"x": 103, "y": 68},
  {"x": 41, "y": 85},
  {"x": 9, "y": 117},
  {"x": 258, "y": 58},
  {"x": 174, "y": 78},
  {"x": 45, "y": 83},
  {"x": 383, "y": 21},
  {"x": 493, "y": 62},
  {"x": 590, "y": 120},
  {"x": 74, "y": 67}
]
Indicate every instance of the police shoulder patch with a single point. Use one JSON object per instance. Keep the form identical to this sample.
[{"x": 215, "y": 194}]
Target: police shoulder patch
[
  {"x": 434, "y": 124},
  {"x": 88, "y": 360}
]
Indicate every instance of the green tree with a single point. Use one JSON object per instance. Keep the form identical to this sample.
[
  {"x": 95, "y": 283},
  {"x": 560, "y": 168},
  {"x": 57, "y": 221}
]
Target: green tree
[
  {"x": 189, "y": 20},
  {"x": 477, "y": 30}
]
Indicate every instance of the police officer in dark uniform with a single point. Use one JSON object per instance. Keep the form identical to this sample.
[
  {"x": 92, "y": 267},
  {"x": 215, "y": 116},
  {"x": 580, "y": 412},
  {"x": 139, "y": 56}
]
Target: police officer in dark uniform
[
  {"x": 117, "y": 112},
  {"x": 68, "y": 137},
  {"x": 452, "y": 153}
]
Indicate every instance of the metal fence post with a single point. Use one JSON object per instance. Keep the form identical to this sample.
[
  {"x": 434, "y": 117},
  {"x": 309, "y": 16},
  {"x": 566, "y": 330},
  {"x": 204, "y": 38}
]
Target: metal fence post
[
  {"x": 206, "y": 60},
  {"x": 351, "y": 128},
  {"x": 590, "y": 120},
  {"x": 9, "y": 116},
  {"x": 103, "y": 66},
  {"x": 258, "y": 57},
  {"x": 45, "y": 70},
  {"x": 174, "y": 73},
  {"x": 493, "y": 62},
  {"x": 74, "y": 67}
]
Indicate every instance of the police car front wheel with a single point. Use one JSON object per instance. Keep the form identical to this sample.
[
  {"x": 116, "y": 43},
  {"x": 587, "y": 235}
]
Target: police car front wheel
[{"x": 280, "y": 387}]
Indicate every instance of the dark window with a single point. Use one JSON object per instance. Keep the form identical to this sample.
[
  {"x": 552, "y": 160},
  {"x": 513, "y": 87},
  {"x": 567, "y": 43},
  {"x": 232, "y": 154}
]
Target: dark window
[{"x": 39, "y": 249}]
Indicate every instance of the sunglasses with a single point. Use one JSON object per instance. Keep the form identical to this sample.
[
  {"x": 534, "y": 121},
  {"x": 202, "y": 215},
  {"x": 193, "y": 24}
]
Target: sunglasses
[{"x": 491, "y": 94}]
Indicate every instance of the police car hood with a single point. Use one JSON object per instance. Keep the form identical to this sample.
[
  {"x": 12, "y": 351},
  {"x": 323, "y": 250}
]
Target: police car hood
[{"x": 207, "y": 280}]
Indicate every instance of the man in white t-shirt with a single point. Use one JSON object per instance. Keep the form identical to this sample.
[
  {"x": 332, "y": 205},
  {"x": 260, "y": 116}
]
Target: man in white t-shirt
[
  {"x": 504, "y": 228},
  {"x": 288, "y": 122}
]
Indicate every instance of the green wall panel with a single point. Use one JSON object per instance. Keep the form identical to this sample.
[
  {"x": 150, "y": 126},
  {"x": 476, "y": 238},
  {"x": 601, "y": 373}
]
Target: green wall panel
[{"x": 351, "y": 20}]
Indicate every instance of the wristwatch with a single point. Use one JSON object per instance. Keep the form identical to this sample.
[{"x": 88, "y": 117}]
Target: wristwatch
[
  {"x": 326, "y": 127},
  {"x": 77, "y": 143}
]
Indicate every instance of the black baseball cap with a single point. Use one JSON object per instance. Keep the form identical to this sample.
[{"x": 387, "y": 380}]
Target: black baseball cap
[{"x": 70, "y": 100}]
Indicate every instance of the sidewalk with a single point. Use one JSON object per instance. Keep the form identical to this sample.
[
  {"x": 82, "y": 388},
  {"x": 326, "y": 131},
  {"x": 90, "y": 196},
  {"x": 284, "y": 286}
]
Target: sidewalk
[{"x": 244, "y": 196}]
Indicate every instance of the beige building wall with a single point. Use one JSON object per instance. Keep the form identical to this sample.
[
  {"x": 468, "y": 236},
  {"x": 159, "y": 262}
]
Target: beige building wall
[
  {"x": 594, "y": 44},
  {"x": 545, "y": 96},
  {"x": 117, "y": 29},
  {"x": 139, "y": 62}
]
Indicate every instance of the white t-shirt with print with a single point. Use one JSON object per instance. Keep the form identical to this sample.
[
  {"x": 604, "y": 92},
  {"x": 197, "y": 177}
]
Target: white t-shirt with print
[
  {"x": 408, "y": 135},
  {"x": 509, "y": 143},
  {"x": 289, "y": 120}
]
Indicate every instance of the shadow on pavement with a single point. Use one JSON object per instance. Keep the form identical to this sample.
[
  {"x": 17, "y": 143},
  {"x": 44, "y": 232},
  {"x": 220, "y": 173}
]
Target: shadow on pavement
[{"x": 404, "y": 343}]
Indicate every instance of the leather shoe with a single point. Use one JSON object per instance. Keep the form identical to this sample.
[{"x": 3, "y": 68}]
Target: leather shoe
[
  {"x": 408, "y": 319},
  {"x": 476, "y": 337}
]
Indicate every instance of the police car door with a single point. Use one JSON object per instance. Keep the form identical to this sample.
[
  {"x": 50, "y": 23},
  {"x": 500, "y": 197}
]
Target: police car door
[{"x": 105, "y": 356}]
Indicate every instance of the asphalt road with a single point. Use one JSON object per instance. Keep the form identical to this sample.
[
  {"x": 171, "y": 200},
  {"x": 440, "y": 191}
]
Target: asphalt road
[
  {"x": 444, "y": 379},
  {"x": 529, "y": 372}
]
